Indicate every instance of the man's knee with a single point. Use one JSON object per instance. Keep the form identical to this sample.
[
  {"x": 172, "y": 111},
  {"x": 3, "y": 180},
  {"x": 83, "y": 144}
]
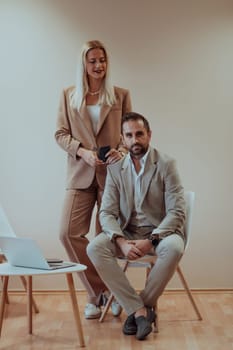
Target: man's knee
[
  {"x": 96, "y": 247},
  {"x": 92, "y": 249},
  {"x": 172, "y": 245}
]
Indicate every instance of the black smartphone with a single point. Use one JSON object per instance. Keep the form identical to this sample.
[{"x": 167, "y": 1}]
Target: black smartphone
[
  {"x": 54, "y": 261},
  {"x": 102, "y": 153}
]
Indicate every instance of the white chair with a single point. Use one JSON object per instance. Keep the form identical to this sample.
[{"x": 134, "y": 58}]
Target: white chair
[
  {"x": 26, "y": 274},
  {"x": 148, "y": 262},
  {"x": 7, "y": 230},
  {"x": 8, "y": 270}
]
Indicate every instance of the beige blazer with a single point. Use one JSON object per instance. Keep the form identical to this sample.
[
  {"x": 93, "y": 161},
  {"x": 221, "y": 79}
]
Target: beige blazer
[
  {"x": 74, "y": 128},
  {"x": 162, "y": 196}
]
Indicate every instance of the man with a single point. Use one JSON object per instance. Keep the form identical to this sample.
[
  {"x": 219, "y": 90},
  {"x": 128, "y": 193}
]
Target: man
[{"x": 142, "y": 212}]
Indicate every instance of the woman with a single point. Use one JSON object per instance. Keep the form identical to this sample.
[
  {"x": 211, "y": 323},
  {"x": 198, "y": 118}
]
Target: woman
[{"x": 89, "y": 119}]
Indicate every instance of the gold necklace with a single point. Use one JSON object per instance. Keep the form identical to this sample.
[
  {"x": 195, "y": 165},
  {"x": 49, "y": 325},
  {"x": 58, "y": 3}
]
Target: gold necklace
[{"x": 93, "y": 93}]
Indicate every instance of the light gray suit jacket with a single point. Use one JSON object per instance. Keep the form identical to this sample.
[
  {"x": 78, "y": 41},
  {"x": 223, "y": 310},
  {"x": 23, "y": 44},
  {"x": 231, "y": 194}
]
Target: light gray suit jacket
[{"x": 162, "y": 198}]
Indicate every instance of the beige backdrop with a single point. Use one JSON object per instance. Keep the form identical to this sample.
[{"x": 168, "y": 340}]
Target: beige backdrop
[{"x": 176, "y": 59}]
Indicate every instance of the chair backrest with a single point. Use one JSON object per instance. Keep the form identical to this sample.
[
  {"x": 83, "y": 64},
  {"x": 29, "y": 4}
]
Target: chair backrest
[
  {"x": 189, "y": 197},
  {"x": 5, "y": 227}
]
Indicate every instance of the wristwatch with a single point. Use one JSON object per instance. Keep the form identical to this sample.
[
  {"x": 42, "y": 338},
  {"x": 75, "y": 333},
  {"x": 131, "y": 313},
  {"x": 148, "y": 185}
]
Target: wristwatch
[{"x": 154, "y": 238}]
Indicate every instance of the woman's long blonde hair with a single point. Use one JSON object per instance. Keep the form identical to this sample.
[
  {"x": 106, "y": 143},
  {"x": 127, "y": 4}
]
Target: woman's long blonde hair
[{"x": 107, "y": 95}]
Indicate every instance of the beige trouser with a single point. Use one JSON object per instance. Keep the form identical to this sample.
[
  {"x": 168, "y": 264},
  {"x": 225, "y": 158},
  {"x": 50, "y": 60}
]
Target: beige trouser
[
  {"x": 75, "y": 224},
  {"x": 103, "y": 252}
]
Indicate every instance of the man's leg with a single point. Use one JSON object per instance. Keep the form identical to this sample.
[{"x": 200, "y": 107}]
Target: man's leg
[
  {"x": 169, "y": 251},
  {"x": 102, "y": 252}
]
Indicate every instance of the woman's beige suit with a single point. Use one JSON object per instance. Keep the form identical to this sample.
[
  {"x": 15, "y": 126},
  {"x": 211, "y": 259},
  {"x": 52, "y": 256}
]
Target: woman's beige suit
[
  {"x": 74, "y": 128},
  {"x": 85, "y": 184}
]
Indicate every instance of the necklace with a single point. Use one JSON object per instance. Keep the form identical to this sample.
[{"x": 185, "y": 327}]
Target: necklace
[{"x": 94, "y": 93}]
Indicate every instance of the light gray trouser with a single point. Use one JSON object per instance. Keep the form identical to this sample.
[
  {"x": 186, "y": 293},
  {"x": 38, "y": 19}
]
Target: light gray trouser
[{"x": 103, "y": 254}]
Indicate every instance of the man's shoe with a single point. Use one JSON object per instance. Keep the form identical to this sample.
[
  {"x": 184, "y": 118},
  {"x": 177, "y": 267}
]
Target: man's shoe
[
  {"x": 143, "y": 327},
  {"x": 130, "y": 327},
  {"x": 116, "y": 308},
  {"x": 144, "y": 324},
  {"x": 92, "y": 311}
]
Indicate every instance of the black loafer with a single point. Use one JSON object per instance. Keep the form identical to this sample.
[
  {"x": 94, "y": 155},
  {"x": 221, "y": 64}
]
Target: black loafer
[
  {"x": 144, "y": 324},
  {"x": 143, "y": 327},
  {"x": 130, "y": 327}
]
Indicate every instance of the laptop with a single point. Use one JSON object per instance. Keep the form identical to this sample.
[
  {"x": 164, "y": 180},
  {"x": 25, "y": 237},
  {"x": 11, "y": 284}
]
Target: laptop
[
  {"x": 5, "y": 227},
  {"x": 24, "y": 252}
]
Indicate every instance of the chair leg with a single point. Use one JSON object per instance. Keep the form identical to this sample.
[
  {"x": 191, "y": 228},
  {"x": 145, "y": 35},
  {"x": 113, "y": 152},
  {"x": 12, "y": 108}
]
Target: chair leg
[
  {"x": 2, "y": 260},
  {"x": 178, "y": 269},
  {"x": 111, "y": 297},
  {"x": 7, "y": 297},
  {"x": 29, "y": 303},
  {"x": 106, "y": 308},
  {"x": 3, "y": 300},
  {"x": 70, "y": 281},
  {"x": 23, "y": 279}
]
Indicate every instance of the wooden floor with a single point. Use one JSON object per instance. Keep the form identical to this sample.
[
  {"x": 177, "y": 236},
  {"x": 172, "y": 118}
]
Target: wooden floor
[{"x": 54, "y": 327}]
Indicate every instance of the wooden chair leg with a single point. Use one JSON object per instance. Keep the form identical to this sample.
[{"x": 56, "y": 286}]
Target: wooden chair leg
[
  {"x": 186, "y": 287},
  {"x": 106, "y": 308},
  {"x": 23, "y": 279},
  {"x": 77, "y": 318},
  {"x": 3, "y": 300},
  {"x": 7, "y": 297},
  {"x": 29, "y": 303},
  {"x": 2, "y": 260},
  {"x": 111, "y": 297}
]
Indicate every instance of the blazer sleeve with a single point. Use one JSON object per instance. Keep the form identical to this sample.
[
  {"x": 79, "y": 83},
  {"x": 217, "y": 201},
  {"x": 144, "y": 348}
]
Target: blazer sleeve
[
  {"x": 174, "y": 218},
  {"x": 110, "y": 208},
  {"x": 126, "y": 108},
  {"x": 63, "y": 134}
]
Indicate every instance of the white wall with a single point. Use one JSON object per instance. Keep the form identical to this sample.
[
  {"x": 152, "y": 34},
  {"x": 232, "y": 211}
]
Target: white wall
[{"x": 176, "y": 59}]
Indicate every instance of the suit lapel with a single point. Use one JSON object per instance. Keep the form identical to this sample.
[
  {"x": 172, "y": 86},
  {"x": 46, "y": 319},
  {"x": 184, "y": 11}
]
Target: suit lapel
[
  {"x": 150, "y": 168},
  {"x": 127, "y": 184}
]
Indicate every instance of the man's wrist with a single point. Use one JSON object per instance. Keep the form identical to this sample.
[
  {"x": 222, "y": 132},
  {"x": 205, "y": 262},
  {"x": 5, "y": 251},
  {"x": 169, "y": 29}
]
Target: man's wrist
[
  {"x": 119, "y": 239},
  {"x": 154, "y": 239}
]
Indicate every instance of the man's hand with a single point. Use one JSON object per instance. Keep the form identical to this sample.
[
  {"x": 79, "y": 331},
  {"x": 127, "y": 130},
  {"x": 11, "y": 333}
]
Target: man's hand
[
  {"x": 144, "y": 245},
  {"x": 129, "y": 248}
]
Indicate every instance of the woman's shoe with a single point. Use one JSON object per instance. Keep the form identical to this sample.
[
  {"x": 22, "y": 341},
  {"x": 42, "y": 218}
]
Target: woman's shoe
[
  {"x": 116, "y": 308},
  {"x": 92, "y": 311}
]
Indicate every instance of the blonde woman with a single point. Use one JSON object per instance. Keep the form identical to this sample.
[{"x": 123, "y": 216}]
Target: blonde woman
[{"x": 88, "y": 129}]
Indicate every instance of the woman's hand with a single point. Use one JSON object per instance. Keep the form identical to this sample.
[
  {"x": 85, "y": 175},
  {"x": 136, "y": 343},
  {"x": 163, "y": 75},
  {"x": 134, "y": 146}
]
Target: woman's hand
[
  {"x": 113, "y": 156},
  {"x": 90, "y": 157}
]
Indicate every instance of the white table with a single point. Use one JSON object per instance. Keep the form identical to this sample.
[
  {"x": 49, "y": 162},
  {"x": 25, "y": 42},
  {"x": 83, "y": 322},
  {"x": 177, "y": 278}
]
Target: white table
[{"x": 7, "y": 270}]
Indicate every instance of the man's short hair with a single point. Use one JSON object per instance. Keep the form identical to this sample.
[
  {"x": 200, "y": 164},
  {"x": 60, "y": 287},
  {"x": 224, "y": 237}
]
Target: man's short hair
[{"x": 135, "y": 116}]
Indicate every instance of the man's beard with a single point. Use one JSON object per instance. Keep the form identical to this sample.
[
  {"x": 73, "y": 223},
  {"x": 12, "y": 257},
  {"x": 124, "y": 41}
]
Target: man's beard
[{"x": 137, "y": 150}]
